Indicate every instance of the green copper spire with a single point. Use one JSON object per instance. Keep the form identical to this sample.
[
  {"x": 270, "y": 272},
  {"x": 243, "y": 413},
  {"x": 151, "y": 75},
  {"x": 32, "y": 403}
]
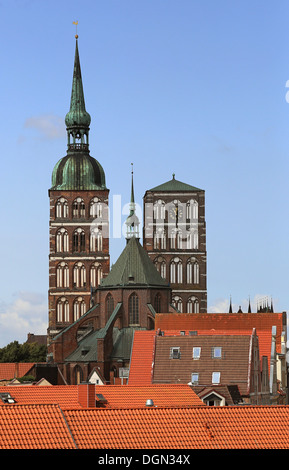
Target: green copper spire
[
  {"x": 77, "y": 120},
  {"x": 77, "y": 170}
]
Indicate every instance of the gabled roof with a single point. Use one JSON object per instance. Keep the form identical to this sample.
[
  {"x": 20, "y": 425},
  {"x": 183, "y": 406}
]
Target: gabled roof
[
  {"x": 142, "y": 358},
  {"x": 10, "y": 370},
  {"x": 175, "y": 186},
  {"x": 204, "y": 427},
  {"x": 34, "y": 427},
  {"x": 224, "y": 323},
  {"x": 64, "y": 395},
  {"x": 162, "y": 395},
  {"x": 133, "y": 268}
]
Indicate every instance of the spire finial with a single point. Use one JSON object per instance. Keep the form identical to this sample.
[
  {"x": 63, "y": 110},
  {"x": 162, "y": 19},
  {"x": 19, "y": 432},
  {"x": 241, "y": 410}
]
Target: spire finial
[
  {"x": 132, "y": 220},
  {"x": 174, "y": 176},
  {"x": 76, "y": 23}
]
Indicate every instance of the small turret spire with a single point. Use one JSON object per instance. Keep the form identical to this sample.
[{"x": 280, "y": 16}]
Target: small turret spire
[
  {"x": 132, "y": 221},
  {"x": 77, "y": 120}
]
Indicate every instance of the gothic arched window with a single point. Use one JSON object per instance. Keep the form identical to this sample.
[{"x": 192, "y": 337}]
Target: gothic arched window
[
  {"x": 157, "y": 303},
  {"x": 95, "y": 208},
  {"x": 78, "y": 308},
  {"x": 177, "y": 302},
  {"x": 176, "y": 271},
  {"x": 96, "y": 240},
  {"x": 160, "y": 265},
  {"x": 78, "y": 208},
  {"x": 192, "y": 271},
  {"x": 61, "y": 207},
  {"x": 78, "y": 240},
  {"x": 95, "y": 274},
  {"x": 192, "y": 305},
  {"x": 62, "y": 310},
  {"x": 79, "y": 275},
  {"x": 133, "y": 309},
  {"x": 62, "y": 275},
  {"x": 109, "y": 305},
  {"x": 61, "y": 240}
]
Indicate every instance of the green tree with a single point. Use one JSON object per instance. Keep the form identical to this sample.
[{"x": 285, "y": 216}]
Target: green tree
[{"x": 26, "y": 352}]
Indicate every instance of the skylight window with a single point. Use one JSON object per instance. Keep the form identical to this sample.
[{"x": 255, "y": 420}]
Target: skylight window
[
  {"x": 195, "y": 378},
  {"x": 6, "y": 398},
  {"x": 217, "y": 352},
  {"x": 216, "y": 377},
  {"x": 196, "y": 352},
  {"x": 175, "y": 353}
]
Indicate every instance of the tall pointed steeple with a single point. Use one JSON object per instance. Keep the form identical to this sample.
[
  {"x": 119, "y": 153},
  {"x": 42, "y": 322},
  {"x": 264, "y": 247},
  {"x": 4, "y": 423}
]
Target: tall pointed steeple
[
  {"x": 77, "y": 170},
  {"x": 132, "y": 221},
  {"x": 77, "y": 120}
]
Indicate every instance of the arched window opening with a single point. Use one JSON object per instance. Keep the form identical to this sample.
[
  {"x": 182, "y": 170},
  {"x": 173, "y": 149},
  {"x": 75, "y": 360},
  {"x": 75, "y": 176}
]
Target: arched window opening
[
  {"x": 95, "y": 208},
  {"x": 61, "y": 207},
  {"x": 62, "y": 275},
  {"x": 160, "y": 265},
  {"x": 192, "y": 305},
  {"x": 95, "y": 274},
  {"x": 79, "y": 275},
  {"x": 160, "y": 239},
  {"x": 177, "y": 302},
  {"x": 109, "y": 305},
  {"x": 176, "y": 271},
  {"x": 61, "y": 241},
  {"x": 133, "y": 309},
  {"x": 78, "y": 208},
  {"x": 78, "y": 375},
  {"x": 159, "y": 210},
  {"x": 96, "y": 240},
  {"x": 157, "y": 303},
  {"x": 78, "y": 243},
  {"x": 192, "y": 209},
  {"x": 79, "y": 308},
  {"x": 62, "y": 310}
]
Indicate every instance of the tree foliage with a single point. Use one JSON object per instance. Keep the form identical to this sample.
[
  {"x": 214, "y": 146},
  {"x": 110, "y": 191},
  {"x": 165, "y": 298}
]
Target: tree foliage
[{"x": 26, "y": 352}]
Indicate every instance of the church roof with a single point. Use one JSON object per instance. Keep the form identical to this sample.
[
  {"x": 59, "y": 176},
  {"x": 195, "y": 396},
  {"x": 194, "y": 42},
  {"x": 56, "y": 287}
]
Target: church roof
[
  {"x": 133, "y": 267},
  {"x": 77, "y": 170},
  {"x": 174, "y": 186}
]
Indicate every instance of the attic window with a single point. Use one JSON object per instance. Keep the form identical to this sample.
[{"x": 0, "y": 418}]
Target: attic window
[
  {"x": 100, "y": 398},
  {"x": 175, "y": 353},
  {"x": 217, "y": 352},
  {"x": 193, "y": 333},
  {"x": 196, "y": 352},
  {"x": 195, "y": 378},
  {"x": 216, "y": 376},
  {"x": 6, "y": 398}
]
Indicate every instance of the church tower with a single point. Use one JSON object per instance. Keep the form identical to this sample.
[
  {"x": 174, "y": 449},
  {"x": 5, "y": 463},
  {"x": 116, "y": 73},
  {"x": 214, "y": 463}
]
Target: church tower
[
  {"x": 174, "y": 236},
  {"x": 79, "y": 219}
]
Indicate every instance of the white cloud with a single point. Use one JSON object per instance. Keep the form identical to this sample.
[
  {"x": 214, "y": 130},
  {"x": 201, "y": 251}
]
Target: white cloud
[
  {"x": 49, "y": 126},
  {"x": 27, "y": 313}
]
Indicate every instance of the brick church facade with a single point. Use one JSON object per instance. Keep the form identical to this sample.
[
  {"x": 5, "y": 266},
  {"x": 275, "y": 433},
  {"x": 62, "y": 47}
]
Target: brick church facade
[{"x": 94, "y": 310}]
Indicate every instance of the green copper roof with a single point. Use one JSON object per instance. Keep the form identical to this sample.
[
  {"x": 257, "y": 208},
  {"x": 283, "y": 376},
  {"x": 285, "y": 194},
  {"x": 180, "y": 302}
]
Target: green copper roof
[
  {"x": 174, "y": 186},
  {"x": 77, "y": 115},
  {"x": 78, "y": 172},
  {"x": 133, "y": 267}
]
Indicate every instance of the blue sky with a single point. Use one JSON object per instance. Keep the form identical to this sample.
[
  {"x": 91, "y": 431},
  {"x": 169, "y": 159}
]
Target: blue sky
[{"x": 195, "y": 88}]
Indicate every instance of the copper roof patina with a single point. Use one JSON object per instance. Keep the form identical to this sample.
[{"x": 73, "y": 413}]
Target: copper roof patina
[{"x": 77, "y": 170}]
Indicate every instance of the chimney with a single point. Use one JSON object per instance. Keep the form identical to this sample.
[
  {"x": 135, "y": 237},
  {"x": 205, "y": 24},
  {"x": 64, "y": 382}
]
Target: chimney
[{"x": 86, "y": 395}]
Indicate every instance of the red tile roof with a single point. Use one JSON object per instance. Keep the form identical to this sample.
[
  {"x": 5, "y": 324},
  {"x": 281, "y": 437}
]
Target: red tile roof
[
  {"x": 142, "y": 357},
  {"x": 239, "y": 427},
  {"x": 34, "y": 427},
  {"x": 10, "y": 370},
  {"x": 225, "y": 323},
  {"x": 128, "y": 396},
  {"x": 117, "y": 396},
  {"x": 64, "y": 395}
]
